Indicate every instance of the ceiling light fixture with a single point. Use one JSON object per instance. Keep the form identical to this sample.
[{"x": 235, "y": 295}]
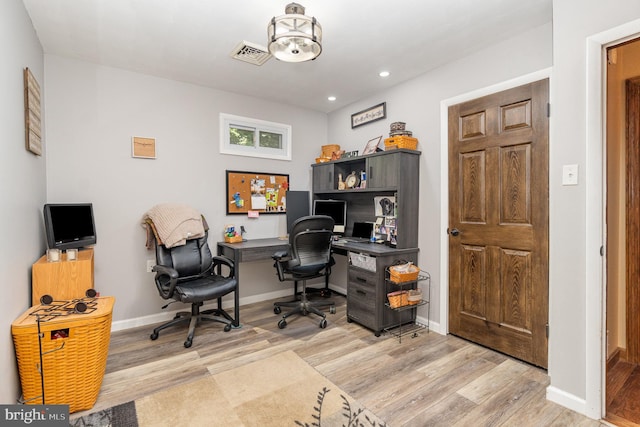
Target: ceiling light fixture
[
  {"x": 331, "y": 98},
  {"x": 294, "y": 37},
  {"x": 384, "y": 74}
]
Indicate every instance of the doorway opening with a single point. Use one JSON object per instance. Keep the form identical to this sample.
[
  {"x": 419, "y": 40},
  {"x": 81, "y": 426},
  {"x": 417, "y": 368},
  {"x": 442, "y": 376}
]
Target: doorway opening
[{"x": 622, "y": 390}]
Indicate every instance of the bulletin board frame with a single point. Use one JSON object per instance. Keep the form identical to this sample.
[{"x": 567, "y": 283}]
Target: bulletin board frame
[{"x": 261, "y": 192}]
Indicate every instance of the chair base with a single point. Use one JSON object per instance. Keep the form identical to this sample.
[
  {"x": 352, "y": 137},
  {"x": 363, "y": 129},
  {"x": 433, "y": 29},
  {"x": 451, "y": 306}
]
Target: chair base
[
  {"x": 194, "y": 317},
  {"x": 304, "y": 306}
]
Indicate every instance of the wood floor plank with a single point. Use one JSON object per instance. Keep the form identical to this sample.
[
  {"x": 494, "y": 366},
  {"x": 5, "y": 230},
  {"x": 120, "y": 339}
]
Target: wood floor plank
[
  {"x": 415, "y": 382},
  {"x": 488, "y": 384},
  {"x": 499, "y": 407},
  {"x": 626, "y": 403},
  {"x": 616, "y": 377}
]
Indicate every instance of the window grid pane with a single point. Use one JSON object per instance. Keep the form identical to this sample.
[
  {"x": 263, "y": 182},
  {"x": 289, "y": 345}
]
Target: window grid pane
[
  {"x": 270, "y": 140},
  {"x": 241, "y": 136}
]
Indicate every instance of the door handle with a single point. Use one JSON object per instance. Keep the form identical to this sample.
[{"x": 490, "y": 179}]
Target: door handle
[{"x": 454, "y": 232}]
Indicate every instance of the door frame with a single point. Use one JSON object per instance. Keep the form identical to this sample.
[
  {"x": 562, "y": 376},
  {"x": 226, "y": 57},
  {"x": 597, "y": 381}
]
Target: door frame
[
  {"x": 596, "y": 286},
  {"x": 443, "y": 326}
]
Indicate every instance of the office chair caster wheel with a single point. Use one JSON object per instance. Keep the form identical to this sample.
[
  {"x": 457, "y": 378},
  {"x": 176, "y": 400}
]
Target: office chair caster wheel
[
  {"x": 188, "y": 343},
  {"x": 277, "y": 310},
  {"x": 323, "y": 323},
  {"x": 154, "y": 336},
  {"x": 332, "y": 309},
  {"x": 282, "y": 324},
  {"x": 227, "y": 328}
]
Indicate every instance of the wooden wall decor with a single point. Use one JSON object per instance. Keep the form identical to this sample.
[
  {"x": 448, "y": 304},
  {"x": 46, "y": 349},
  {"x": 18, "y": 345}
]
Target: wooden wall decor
[
  {"x": 256, "y": 191},
  {"x": 32, "y": 115},
  {"x": 143, "y": 148}
]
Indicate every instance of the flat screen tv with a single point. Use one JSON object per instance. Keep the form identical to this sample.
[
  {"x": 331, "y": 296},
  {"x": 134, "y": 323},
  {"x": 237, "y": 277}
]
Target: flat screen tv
[
  {"x": 336, "y": 209},
  {"x": 69, "y": 225}
]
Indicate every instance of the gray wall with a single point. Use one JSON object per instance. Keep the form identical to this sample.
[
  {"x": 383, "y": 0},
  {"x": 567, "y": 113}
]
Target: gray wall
[
  {"x": 94, "y": 111},
  {"x": 22, "y": 183}
]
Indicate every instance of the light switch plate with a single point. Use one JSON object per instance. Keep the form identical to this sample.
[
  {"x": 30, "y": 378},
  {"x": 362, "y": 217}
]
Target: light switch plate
[{"x": 570, "y": 175}]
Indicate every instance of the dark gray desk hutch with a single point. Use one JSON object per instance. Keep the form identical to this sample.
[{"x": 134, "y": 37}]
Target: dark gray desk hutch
[{"x": 389, "y": 173}]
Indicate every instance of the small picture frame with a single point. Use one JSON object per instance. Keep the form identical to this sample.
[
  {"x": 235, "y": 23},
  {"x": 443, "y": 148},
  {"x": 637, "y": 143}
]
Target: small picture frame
[
  {"x": 372, "y": 145},
  {"x": 372, "y": 114},
  {"x": 143, "y": 148}
]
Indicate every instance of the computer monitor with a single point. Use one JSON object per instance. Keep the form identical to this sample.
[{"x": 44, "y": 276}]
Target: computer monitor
[{"x": 336, "y": 209}]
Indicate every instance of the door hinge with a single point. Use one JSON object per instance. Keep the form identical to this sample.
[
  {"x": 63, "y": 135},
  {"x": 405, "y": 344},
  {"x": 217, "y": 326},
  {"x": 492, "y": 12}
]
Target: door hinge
[
  {"x": 548, "y": 109},
  {"x": 547, "y": 330}
]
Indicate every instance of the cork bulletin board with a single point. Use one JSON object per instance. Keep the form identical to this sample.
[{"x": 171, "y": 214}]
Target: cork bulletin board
[{"x": 256, "y": 191}]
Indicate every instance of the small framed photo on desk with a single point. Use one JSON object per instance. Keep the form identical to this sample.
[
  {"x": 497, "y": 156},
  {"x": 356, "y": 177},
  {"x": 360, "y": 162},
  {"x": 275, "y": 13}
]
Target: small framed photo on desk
[{"x": 372, "y": 145}]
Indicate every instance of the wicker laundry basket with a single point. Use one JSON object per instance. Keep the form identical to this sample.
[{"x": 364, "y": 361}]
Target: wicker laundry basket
[{"x": 73, "y": 348}]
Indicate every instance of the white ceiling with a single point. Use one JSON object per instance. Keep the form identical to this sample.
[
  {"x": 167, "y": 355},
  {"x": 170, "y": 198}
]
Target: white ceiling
[{"x": 191, "y": 40}]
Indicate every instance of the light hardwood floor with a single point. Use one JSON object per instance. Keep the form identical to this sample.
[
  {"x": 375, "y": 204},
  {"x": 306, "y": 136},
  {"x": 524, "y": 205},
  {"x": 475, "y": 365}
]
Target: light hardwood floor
[{"x": 428, "y": 380}]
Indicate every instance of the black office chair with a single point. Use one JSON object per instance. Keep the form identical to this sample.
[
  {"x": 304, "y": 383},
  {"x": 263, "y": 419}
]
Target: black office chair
[
  {"x": 190, "y": 274},
  {"x": 309, "y": 257}
]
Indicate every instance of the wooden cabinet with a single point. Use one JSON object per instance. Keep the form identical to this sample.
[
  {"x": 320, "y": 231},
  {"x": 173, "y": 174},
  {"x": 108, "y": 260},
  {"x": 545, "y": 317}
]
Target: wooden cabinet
[{"x": 63, "y": 280}]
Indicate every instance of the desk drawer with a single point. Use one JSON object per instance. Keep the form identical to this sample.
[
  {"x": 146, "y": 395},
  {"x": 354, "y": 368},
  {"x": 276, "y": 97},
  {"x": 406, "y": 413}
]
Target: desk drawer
[
  {"x": 361, "y": 298},
  {"x": 362, "y": 277}
]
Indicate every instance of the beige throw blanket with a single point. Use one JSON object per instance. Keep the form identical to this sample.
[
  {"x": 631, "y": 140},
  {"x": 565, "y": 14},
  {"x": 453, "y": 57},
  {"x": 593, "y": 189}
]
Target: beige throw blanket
[{"x": 174, "y": 223}]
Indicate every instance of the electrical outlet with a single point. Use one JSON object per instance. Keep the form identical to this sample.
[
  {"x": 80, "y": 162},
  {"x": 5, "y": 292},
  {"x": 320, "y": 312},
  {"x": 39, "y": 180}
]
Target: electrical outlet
[{"x": 150, "y": 264}]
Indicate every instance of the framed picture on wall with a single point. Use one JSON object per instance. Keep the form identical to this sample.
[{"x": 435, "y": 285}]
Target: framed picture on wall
[{"x": 372, "y": 114}]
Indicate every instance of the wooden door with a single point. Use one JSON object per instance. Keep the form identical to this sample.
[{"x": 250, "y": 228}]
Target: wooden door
[
  {"x": 499, "y": 221},
  {"x": 633, "y": 219}
]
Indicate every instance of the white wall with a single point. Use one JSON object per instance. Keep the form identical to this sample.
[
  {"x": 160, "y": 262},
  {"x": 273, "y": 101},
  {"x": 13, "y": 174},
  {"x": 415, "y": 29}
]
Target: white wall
[
  {"x": 93, "y": 111},
  {"x": 576, "y": 215},
  {"x": 418, "y": 103},
  {"x": 22, "y": 183}
]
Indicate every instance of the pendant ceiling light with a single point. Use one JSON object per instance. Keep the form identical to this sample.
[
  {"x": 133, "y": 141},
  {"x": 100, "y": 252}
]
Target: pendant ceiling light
[{"x": 294, "y": 37}]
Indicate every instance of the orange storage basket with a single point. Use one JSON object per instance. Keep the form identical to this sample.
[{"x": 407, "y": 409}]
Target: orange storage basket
[
  {"x": 397, "y": 276},
  {"x": 234, "y": 239},
  {"x": 74, "y": 355},
  {"x": 401, "y": 142},
  {"x": 398, "y": 299}
]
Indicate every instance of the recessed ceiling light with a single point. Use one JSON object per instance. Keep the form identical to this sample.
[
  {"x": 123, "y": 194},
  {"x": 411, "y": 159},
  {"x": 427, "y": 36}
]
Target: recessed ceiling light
[
  {"x": 331, "y": 98},
  {"x": 384, "y": 74}
]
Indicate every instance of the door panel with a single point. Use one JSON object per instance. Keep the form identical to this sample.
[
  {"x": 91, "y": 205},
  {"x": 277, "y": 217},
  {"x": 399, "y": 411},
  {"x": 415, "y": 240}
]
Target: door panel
[{"x": 498, "y": 201}]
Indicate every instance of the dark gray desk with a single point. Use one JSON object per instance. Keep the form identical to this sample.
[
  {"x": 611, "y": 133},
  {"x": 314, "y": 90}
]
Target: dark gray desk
[
  {"x": 262, "y": 249},
  {"x": 366, "y": 290},
  {"x": 251, "y": 250}
]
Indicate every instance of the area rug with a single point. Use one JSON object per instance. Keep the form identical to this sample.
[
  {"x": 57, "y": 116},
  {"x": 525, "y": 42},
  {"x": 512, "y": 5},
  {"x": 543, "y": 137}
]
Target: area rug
[{"x": 282, "y": 390}]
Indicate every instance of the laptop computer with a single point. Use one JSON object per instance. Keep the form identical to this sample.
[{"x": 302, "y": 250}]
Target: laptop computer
[{"x": 361, "y": 232}]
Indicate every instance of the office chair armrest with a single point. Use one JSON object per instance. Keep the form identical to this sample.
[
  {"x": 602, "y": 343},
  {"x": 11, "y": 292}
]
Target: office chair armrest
[
  {"x": 166, "y": 280},
  {"x": 279, "y": 255},
  {"x": 220, "y": 260}
]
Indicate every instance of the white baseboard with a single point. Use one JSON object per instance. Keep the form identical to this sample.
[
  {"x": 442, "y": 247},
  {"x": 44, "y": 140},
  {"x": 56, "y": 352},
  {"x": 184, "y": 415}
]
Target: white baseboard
[
  {"x": 226, "y": 304},
  {"x": 567, "y": 400},
  {"x": 168, "y": 315}
]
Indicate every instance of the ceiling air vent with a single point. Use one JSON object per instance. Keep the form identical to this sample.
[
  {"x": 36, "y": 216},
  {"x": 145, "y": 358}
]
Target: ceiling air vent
[{"x": 251, "y": 53}]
